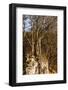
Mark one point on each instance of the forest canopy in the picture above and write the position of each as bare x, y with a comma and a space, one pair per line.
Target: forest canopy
39, 44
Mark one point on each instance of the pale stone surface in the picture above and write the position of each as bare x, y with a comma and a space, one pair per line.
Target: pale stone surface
33, 66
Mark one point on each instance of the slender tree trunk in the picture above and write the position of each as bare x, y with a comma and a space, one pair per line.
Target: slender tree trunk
40, 46
32, 43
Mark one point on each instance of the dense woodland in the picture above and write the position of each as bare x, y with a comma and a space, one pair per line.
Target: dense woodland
39, 44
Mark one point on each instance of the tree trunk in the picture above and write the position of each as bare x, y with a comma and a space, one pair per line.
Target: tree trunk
33, 43
40, 46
